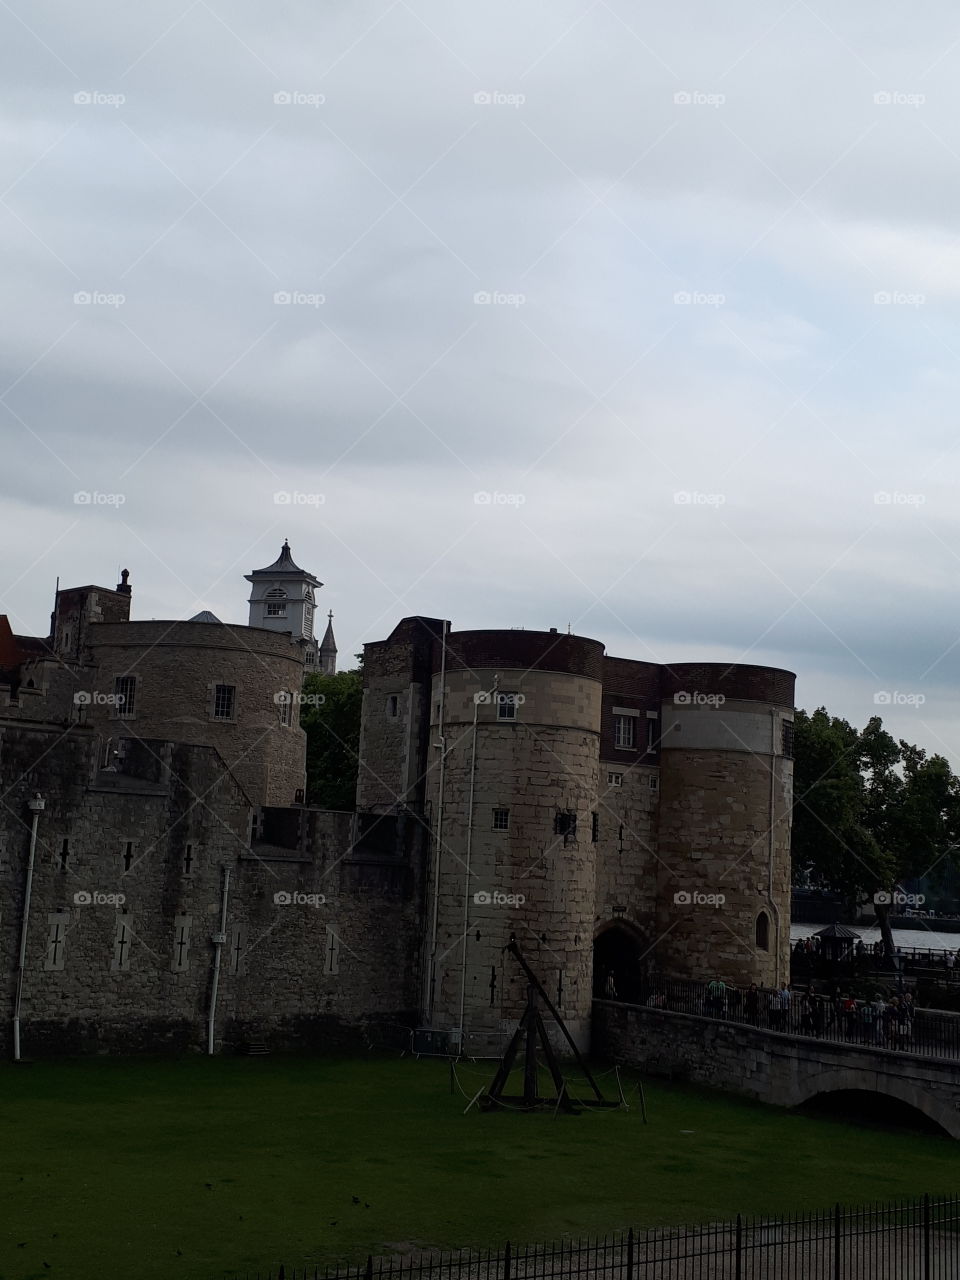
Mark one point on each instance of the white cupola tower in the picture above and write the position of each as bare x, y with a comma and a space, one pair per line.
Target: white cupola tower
282, 599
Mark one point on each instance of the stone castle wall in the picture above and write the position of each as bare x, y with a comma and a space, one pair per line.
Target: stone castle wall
529, 882
723, 840
176, 665
320, 941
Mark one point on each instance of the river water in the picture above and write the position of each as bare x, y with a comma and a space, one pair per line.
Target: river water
927, 937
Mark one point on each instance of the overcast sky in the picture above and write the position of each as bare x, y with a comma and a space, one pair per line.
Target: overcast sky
674, 287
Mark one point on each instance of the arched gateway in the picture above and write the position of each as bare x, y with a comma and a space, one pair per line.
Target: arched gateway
619, 958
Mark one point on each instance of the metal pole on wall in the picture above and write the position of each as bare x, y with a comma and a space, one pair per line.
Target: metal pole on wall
218, 940
36, 806
431, 976
477, 699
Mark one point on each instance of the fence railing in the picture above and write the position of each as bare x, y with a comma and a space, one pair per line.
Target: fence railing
908, 1240
881, 1025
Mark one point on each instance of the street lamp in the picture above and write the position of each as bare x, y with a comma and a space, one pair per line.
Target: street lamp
36, 804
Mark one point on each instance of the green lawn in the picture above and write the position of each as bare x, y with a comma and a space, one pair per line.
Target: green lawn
187, 1170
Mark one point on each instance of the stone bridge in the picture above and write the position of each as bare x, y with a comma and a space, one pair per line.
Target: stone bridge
785, 1070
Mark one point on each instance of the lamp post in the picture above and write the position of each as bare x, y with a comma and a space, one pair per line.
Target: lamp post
36, 805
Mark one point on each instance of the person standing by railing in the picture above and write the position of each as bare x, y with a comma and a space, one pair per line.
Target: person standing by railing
751, 1004
716, 998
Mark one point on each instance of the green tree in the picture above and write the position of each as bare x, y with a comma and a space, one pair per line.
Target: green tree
869, 811
330, 716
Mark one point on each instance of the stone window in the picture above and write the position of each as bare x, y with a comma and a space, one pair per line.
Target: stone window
310, 657
125, 697
763, 932
284, 704
624, 731
56, 941
654, 782
594, 826
64, 854
614, 779
122, 943
224, 701
128, 852
786, 738
189, 859
507, 705
238, 949
331, 955
653, 733
393, 705
501, 819
181, 944
565, 824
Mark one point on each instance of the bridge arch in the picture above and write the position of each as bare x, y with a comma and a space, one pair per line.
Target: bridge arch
913, 1095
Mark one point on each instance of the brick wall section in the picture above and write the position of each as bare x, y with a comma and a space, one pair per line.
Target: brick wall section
629, 684
176, 665
778, 1069
735, 681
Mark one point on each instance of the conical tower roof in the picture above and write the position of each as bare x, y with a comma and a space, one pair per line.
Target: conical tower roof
284, 567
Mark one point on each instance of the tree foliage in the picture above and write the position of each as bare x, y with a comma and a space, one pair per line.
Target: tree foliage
332, 727
869, 811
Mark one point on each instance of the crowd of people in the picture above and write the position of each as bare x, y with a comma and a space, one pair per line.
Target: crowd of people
887, 1022
811, 948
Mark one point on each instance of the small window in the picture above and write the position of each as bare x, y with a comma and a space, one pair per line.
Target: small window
188, 860
276, 609
624, 731
56, 941
654, 782
787, 738
763, 932
310, 657
224, 696
393, 705
594, 827
653, 734
507, 706
501, 819
565, 824
284, 705
127, 854
614, 779
125, 696
122, 941
181, 944
64, 854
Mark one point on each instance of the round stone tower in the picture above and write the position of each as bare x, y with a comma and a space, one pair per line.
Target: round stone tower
726, 792
518, 716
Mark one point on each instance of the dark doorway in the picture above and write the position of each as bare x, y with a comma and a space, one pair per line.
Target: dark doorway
618, 972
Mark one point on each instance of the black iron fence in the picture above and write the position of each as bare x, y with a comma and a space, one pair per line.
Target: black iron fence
882, 1024
908, 1240
913, 963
